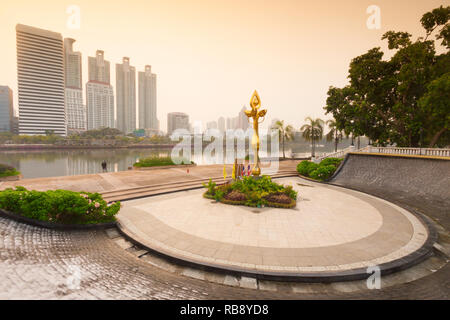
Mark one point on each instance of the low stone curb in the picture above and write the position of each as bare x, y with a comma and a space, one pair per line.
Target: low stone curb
55, 226
11, 178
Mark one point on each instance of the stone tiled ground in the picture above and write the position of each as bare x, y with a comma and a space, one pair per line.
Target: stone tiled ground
127, 179
38, 263
332, 229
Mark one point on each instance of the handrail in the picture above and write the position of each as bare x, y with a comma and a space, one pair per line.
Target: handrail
436, 152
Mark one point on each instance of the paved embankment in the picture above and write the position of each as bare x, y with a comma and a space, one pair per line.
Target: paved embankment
135, 183
421, 183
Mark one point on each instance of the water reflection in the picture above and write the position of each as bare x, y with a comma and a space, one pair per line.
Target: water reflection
52, 163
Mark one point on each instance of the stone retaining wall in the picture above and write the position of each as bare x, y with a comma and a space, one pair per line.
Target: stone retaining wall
422, 183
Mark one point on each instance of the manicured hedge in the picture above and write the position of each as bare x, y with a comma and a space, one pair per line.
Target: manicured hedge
60, 206
7, 171
321, 171
157, 161
252, 192
305, 167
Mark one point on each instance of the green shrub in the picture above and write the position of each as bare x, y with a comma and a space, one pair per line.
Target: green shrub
211, 186
7, 171
306, 167
331, 161
60, 206
323, 172
157, 161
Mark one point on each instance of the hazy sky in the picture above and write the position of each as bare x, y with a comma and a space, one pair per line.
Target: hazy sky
211, 55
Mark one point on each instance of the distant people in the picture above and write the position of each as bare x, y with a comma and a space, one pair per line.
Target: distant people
104, 166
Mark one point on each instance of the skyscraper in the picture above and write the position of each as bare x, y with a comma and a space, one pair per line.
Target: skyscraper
147, 100
243, 122
6, 109
211, 125
221, 124
177, 120
126, 96
75, 109
99, 93
40, 70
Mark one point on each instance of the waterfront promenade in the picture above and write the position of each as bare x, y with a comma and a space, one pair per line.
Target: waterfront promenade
103, 182
36, 262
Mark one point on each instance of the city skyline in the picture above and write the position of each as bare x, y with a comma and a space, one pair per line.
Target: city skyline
217, 49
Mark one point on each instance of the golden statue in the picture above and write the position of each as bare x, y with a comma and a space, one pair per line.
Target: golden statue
255, 114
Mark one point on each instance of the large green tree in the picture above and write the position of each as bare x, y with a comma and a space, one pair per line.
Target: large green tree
403, 100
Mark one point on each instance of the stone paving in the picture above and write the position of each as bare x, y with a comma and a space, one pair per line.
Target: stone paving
37, 263
128, 179
332, 229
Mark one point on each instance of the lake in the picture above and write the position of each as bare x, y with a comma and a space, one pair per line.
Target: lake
52, 163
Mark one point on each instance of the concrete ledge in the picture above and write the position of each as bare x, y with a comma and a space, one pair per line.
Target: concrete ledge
55, 226
11, 178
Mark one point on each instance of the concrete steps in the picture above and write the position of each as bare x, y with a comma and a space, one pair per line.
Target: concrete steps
151, 190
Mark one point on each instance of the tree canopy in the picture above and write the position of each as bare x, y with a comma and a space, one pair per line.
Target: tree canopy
405, 100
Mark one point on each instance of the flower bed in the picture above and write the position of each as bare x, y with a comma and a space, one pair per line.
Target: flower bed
59, 206
321, 171
253, 193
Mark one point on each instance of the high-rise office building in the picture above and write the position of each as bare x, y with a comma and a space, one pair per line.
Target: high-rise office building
211, 125
147, 100
221, 124
126, 96
177, 120
99, 93
40, 71
75, 109
243, 122
6, 109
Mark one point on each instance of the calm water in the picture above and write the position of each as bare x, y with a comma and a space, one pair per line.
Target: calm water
52, 163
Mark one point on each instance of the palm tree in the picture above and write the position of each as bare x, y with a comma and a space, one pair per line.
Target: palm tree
285, 132
334, 133
313, 131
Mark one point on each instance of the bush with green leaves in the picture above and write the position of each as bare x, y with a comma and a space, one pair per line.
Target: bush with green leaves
323, 172
8, 171
255, 192
157, 161
61, 206
331, 161
305, 167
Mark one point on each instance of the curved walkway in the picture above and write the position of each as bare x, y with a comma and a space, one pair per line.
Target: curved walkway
333, 233
38, 263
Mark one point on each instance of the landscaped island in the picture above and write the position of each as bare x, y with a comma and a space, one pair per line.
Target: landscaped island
8, 171
159, 162
319, 171
58, 206
253, 193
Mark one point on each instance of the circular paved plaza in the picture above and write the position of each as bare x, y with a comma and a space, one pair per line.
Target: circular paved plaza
332, 232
